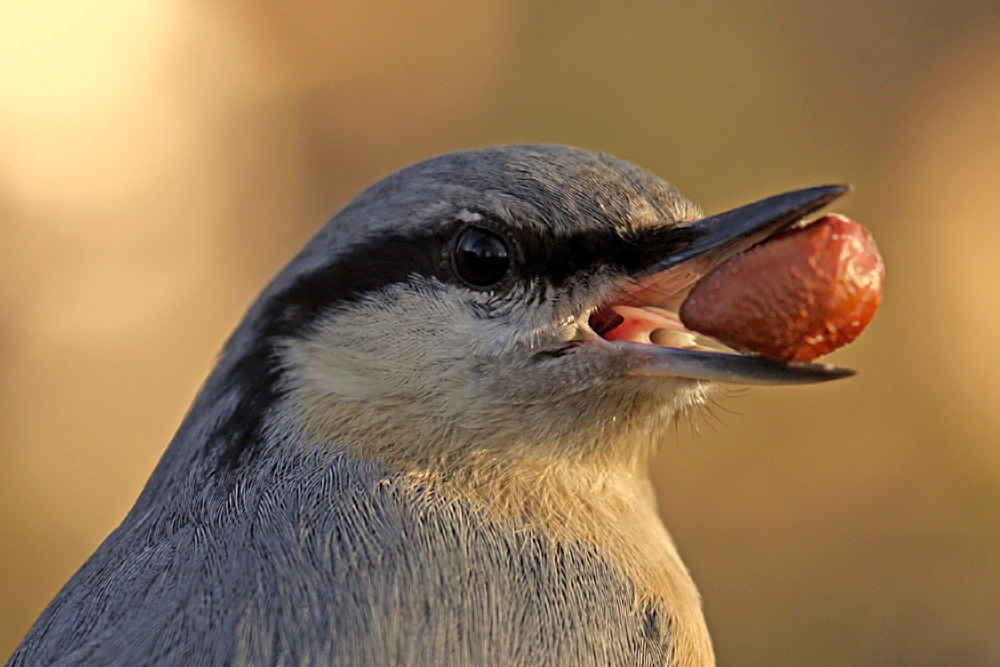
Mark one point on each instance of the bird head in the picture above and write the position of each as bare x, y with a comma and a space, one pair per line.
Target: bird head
461, 306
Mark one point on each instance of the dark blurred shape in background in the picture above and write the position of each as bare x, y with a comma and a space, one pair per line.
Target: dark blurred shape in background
161, 159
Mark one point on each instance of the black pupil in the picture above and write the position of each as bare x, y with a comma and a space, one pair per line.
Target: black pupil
481, 257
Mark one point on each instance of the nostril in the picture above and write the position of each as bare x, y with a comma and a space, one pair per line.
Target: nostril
603, 320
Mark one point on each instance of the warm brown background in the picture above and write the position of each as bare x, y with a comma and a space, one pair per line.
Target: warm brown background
161, 159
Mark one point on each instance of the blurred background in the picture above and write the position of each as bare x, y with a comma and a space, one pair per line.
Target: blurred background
160, 160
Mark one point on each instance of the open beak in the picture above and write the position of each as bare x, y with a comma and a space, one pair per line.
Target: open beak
646, 309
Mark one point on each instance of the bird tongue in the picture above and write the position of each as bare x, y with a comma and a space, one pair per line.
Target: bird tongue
650, 325
646, 311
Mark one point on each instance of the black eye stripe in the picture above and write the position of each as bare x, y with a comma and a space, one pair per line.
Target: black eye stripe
563, 260
393, 258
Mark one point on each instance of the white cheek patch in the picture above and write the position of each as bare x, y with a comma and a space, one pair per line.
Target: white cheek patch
416, 339
433, 348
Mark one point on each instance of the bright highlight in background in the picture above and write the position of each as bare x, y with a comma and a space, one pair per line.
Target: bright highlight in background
76, 79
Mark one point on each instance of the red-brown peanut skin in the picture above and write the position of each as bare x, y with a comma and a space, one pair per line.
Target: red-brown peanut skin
795, 297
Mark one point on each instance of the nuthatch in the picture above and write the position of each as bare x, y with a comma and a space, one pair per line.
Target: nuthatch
417, 448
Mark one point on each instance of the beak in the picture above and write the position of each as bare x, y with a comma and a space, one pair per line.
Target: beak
719, 237
728, 367
714, 240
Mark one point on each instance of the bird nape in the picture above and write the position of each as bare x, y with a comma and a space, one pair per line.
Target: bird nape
424, 444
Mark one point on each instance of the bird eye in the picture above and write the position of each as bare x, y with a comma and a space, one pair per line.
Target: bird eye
481, 257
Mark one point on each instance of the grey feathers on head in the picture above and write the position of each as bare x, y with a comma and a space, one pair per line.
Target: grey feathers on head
418, 448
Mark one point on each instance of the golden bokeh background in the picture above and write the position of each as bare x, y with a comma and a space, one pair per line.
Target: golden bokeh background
161, 159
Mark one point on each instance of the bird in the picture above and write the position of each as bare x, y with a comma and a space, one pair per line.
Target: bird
418, 447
